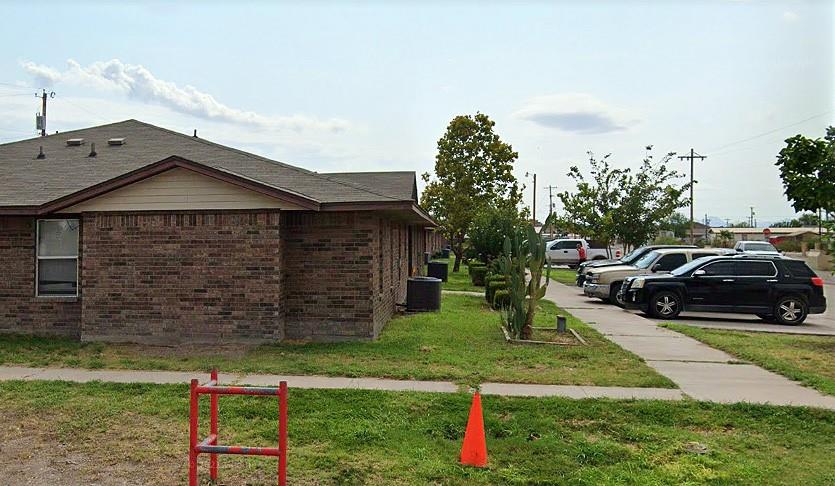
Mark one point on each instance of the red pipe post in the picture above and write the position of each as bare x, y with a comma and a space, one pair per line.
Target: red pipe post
282, 433
192, 435
213, 427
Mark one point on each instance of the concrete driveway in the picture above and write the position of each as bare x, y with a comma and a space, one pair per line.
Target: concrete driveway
816, 324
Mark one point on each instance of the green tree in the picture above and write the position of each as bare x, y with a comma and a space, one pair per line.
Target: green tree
489, 229
473, 169
805, 220
807, 168
650, 196
619, 204
589, 210
678, 223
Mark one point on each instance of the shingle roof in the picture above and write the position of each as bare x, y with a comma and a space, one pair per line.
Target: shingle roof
26, 180
401, 185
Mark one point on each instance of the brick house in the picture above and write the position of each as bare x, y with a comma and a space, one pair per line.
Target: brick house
134, 233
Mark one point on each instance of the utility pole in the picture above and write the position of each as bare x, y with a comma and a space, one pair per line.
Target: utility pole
40, 119
693, 156
751, 220
551, 206
533, 207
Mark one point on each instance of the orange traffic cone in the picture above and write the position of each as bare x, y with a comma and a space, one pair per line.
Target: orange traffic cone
474, 450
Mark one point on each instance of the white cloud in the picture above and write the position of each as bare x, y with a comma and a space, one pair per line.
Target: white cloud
790, 16
575, 113
138, 83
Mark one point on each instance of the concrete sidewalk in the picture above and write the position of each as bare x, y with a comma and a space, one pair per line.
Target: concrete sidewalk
702, 372
332, 382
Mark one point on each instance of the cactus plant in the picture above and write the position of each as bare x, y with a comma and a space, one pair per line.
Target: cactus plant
525, 251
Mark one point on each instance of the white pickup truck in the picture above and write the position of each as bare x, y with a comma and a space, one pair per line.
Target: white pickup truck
564, 252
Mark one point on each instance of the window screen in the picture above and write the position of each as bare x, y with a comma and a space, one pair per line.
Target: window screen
57, 255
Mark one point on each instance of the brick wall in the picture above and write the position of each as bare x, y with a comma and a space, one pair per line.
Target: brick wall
20, 310
328, 274
171, 277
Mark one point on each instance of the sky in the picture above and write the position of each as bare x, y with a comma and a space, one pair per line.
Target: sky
368, 86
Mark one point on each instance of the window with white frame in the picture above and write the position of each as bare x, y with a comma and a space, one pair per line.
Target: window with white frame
57, 257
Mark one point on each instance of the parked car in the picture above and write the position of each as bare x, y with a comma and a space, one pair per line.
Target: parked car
774, 288
756, 248
564, 252
605, 283
630, 258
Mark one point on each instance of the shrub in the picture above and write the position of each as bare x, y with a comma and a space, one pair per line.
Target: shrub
788, 245
472, 265
491, 224
501, 299
491, 286
477, 275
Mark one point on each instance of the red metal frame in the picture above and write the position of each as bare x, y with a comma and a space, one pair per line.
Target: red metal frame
210, 446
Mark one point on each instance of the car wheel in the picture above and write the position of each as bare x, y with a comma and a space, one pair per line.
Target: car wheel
790, 310
766, 317
665, 304
614, 290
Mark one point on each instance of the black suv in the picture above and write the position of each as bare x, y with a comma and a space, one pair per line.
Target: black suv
628, 259
774, 288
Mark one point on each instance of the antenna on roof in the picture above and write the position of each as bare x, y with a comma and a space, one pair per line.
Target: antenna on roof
92, 150
195, 133
41, 155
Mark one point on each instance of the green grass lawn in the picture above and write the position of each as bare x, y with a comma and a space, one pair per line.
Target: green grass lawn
807, 359
462, 343
565, 276
139, 432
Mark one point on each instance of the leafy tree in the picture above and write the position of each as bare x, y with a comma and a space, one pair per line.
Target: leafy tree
489, 229
805, 220
473, 169
649, 197
589, 210
807, 168
619, 204
678, 223
725, 238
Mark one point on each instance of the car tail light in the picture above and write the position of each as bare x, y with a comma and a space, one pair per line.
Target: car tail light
817, 281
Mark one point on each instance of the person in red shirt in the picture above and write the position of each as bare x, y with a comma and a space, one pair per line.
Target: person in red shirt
581, 252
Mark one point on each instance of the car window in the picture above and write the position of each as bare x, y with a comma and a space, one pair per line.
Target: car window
647, 260
635, 255
759, 247
755, 269
702, 255
670, 262
798, 269
719, 269
687, 267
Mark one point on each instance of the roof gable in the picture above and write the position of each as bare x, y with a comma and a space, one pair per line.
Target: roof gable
180, 188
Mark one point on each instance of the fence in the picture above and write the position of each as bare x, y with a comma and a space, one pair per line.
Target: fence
210, 444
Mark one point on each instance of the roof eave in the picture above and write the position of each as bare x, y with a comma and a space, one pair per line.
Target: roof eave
420, 215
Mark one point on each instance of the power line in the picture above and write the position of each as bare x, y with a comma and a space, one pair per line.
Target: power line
15, 86
770, 131
86, 110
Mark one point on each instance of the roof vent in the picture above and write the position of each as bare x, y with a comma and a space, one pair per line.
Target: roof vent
116, 141
41, 155
92, 150
75, 142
